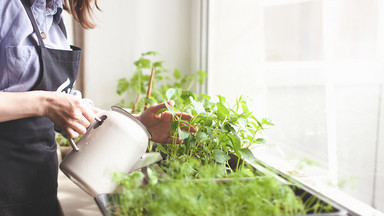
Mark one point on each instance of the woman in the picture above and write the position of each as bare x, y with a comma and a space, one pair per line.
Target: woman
38, 68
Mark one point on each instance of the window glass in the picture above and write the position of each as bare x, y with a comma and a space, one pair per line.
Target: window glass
315, 68
293, 32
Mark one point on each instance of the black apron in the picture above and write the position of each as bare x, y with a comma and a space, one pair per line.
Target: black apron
28, 157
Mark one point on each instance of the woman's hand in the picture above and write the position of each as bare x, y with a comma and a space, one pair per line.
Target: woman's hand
159, 124
68, 112
72, 115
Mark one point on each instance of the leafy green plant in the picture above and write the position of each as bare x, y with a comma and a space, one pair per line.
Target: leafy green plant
243, 194
223, 129
138, 83
193, 189
198, 177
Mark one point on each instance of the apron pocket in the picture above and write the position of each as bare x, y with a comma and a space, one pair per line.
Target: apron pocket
18, 58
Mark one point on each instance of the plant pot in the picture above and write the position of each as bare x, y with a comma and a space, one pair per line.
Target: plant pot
107, 203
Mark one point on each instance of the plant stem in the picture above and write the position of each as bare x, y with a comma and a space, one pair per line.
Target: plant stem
149, 88
134, 108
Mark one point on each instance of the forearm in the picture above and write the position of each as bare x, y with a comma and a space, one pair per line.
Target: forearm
17, 105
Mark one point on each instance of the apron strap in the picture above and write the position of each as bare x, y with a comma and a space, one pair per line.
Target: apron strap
62, 27
27, 6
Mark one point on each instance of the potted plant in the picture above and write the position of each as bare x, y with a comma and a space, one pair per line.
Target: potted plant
211, 194
214, 171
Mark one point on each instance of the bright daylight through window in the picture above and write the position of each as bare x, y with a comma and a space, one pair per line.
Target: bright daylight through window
315, 68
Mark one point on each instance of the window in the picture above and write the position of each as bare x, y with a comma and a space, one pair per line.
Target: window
315, 68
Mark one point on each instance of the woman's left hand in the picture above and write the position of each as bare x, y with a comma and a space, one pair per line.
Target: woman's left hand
159, 123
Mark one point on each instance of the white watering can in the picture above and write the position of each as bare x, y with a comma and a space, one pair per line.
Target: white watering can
115, 142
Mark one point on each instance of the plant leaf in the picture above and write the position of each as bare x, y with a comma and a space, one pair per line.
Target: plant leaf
220, 156
261, 141
174, 127
177, 74
235, 142
158, 64
185, 96
162, 149
154, 53
170, 109
198, 106
266, 122
205, 96
202, 76
152, 177
247, 155
143, 63
171, 94
201, 136
221, 98
122, 85
161, 110
183, 134
245, 107
222, 111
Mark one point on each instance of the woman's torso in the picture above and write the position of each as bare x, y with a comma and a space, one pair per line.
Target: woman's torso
19, 61
28, 159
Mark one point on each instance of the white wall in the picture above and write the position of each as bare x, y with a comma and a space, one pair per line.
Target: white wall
128, 28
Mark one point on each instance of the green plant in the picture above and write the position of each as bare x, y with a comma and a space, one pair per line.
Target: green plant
138, 83
243, 193
223, 129
200, 178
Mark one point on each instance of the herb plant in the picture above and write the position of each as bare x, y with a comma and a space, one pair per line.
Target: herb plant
137, 85
223, 129
179, 195
199, 177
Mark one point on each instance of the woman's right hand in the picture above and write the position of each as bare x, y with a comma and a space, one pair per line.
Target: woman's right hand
72, 115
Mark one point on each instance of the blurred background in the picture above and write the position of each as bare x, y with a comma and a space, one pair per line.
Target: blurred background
313, 67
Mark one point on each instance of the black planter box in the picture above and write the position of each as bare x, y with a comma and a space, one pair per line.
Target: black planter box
106, 202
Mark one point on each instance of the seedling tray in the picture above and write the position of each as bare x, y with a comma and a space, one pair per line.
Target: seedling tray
108, 202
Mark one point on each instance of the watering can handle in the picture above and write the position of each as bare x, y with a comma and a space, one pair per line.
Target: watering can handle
72, 141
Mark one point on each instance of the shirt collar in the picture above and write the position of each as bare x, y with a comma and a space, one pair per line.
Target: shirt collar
54, 7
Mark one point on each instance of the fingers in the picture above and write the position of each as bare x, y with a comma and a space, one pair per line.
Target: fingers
88, 113
80, 120
170, 140
158, 107
81, 125
184, 116
187, 127
77, 126
159, 124
70, 133
69, 113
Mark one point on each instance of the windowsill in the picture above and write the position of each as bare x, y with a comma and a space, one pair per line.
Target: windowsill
74, 201
315, 178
